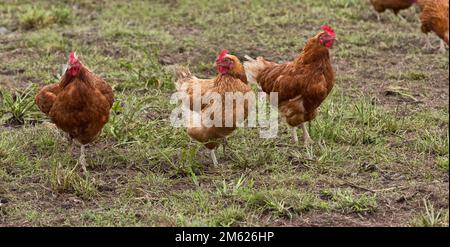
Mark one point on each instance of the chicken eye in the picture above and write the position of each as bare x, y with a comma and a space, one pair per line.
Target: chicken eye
322, 41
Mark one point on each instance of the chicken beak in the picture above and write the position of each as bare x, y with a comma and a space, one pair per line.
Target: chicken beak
218, 63
65, 67
335, 41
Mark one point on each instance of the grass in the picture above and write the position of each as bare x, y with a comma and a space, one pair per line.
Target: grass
431, 217
15, 107
380, 137
347, 200
38, 17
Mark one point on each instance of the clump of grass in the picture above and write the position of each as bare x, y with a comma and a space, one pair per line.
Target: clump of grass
16, 107
189, 164
61, 15
38, 17
415, 75
348, 201
36, 217
124, 119
432, 142
442, 162
411, 75
431, 217
283, 202
354, 122
112, 217
233, 187
229, 216
67, 179
34, 18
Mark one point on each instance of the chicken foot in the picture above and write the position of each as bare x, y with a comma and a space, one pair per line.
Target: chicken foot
427, 45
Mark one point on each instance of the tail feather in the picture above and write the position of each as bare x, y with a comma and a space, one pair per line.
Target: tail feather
253, 67
45, 98
182, 75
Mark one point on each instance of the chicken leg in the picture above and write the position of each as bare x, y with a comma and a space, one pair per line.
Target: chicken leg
82, 159
213, 157
225, 144
306, 138
442, 47
294, 135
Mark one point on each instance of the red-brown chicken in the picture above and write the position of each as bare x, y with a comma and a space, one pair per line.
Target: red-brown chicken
395, 5
302, 85
79, 104
231, 78
434, 17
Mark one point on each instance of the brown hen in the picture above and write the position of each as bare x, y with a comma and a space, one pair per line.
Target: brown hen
231, 78
395, 5
302, 85
79, 104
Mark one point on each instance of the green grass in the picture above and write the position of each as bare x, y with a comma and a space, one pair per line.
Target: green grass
16, 107
431, 217
38, 17
381, 135
347, 200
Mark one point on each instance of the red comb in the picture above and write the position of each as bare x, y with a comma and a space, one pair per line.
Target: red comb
328, 30
73, 58
223, 53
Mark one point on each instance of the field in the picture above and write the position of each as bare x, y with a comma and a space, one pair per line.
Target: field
381, 150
